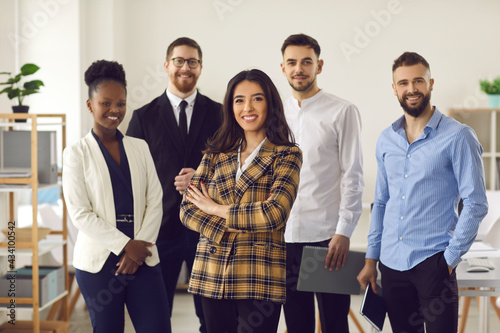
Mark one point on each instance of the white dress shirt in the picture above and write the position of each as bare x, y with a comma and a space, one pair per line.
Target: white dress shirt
248, 161
175, 101
328, 130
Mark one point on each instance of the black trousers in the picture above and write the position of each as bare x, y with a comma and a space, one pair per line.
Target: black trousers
173, 252
143, 293
241, 316
299, 305
426, 294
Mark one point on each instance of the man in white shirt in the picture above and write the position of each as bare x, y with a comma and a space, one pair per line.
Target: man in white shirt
328, 205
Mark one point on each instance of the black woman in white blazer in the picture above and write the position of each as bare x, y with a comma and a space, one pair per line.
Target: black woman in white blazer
114, 198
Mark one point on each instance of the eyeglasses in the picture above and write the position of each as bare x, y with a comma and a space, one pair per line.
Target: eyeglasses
192, 62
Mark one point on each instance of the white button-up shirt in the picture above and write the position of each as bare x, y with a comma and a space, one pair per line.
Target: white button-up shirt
328, 130
175, 101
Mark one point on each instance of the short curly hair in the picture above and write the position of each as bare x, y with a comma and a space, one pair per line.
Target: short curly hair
104, 70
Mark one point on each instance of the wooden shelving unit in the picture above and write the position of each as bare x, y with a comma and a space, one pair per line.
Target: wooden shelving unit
485, 122
35, 248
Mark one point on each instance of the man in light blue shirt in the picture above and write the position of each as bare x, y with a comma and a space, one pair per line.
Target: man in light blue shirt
426, 162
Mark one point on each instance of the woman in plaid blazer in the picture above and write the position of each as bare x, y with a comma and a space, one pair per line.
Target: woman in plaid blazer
239, 200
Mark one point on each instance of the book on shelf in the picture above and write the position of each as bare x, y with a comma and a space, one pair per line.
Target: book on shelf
15, 172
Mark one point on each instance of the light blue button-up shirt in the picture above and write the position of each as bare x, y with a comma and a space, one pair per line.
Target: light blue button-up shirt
418, 188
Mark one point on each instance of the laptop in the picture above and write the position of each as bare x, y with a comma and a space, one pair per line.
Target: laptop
313, 276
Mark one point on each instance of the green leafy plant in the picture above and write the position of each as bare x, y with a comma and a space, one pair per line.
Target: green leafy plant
14, 88
491, 87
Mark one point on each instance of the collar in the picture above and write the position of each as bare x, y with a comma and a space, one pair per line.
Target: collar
311, 99
176, 100
119, 135
432, 124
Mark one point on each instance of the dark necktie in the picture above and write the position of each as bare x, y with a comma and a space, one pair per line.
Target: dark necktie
183, 121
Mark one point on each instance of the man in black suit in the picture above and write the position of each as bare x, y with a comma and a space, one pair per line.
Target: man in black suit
176, 126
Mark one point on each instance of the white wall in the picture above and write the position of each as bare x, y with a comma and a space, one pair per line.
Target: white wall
458, 37
359, 41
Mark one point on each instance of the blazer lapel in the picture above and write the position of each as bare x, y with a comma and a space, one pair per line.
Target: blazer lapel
225, 174
255, 170
167, 116
104, 182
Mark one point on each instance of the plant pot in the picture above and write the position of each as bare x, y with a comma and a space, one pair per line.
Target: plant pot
494, 101
20, 109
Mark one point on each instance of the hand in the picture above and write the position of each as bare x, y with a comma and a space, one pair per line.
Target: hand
126, 265
450, 270
202, 200
182, 180
338, 250
235, 230
137, 250
369, 275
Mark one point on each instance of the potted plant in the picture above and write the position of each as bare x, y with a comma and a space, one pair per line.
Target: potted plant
492, 88
15, 90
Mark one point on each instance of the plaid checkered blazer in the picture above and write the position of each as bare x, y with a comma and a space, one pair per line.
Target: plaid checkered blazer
248, 265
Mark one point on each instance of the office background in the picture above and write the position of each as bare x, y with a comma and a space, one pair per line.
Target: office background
359, 41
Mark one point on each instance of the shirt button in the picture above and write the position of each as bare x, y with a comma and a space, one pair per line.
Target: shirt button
408, 155
213, 249
400, 238
402, 217
406, 176
403, 197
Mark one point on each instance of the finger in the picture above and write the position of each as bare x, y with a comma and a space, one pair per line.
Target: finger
374, 287
204, 189
194, 196
362, 282
131, 268
340, 261
344, 258
333, 259
119, 261
120, 269
328, 258
194, 190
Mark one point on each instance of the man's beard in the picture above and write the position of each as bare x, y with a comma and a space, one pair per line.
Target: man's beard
302, 88
415, 111
183, 86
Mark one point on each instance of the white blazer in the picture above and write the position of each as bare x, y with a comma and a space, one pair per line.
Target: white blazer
89, 197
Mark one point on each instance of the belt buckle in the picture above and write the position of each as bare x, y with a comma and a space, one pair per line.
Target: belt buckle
128, 218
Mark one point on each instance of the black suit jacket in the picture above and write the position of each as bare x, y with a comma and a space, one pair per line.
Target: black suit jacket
155, 122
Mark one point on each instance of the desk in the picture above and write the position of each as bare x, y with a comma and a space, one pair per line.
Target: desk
488, 284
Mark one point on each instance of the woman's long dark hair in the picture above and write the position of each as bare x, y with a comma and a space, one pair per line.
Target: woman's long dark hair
228, 136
